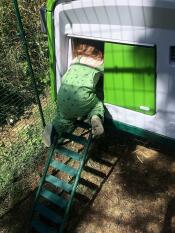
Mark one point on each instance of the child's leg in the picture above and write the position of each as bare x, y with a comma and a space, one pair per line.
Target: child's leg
58, 126
62, 125
96, 117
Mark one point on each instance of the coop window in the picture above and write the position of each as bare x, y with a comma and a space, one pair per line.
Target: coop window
172, 54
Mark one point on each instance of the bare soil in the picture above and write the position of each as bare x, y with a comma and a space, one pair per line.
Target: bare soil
127, 186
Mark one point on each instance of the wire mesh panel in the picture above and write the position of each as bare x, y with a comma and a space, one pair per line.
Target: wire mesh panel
20, 122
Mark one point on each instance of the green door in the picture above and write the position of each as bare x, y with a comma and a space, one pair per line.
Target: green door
130, 77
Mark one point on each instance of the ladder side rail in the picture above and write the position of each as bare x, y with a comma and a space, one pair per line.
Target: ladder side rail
61, 230
51, 153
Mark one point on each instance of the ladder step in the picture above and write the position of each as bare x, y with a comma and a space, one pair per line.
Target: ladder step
40, 227
62, 167
75, 138
59, 183
52, 197
48, 213
68, 153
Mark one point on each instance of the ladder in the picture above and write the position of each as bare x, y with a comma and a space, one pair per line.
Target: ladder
54, 196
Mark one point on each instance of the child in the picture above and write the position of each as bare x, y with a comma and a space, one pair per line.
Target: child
77, 96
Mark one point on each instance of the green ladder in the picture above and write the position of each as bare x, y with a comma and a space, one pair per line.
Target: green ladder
45, 216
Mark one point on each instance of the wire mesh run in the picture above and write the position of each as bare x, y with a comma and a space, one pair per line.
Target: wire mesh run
21, 148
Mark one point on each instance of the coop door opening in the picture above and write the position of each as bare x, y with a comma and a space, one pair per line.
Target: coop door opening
75, 47
130, 77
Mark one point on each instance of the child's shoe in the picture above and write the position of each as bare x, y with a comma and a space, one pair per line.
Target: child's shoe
97, 126
48, 135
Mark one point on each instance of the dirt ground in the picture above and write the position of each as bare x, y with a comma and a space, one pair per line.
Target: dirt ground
127, 186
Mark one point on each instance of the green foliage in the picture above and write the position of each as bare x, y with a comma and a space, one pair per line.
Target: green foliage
20, 123
24, 150
19, 155
15, 81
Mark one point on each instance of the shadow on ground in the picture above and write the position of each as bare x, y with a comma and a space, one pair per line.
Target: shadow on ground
126, 187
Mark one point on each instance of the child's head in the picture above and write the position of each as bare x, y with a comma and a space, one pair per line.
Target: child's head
88, 48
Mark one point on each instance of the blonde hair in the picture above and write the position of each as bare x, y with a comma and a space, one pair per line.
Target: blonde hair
88, 48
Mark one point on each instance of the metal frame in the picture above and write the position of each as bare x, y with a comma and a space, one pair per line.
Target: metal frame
26, 51
51, 44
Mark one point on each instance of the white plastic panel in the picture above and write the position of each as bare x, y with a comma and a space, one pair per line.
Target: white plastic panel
132, 22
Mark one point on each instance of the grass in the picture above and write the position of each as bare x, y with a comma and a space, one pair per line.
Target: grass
21, 154
20, 123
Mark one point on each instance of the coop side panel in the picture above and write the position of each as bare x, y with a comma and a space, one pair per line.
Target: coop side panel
126, 22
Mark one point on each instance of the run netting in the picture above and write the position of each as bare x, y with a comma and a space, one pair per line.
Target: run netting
21, 148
